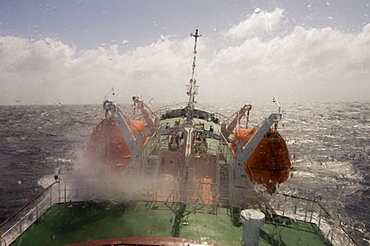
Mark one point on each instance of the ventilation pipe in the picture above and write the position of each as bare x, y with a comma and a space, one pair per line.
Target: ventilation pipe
252, 221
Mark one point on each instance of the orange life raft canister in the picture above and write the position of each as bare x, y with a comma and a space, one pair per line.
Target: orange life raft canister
269, 164
107, 144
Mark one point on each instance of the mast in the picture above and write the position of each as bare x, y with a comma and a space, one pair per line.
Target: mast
192, 88
192, 91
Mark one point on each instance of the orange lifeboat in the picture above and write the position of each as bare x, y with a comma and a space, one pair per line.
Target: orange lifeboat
269, 164
107, 144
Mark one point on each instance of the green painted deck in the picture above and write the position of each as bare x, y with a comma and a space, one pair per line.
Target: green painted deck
78, 222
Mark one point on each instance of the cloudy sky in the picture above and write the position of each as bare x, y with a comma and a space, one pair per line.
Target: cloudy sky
75, 51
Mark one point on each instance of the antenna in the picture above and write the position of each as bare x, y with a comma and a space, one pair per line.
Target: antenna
196, 36
274, 100
110, 91
192, 89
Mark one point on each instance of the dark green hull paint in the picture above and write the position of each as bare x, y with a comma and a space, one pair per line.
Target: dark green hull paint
78, 222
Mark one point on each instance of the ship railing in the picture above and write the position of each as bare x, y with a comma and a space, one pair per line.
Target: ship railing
62, 192
312, 211
307, 210
21, 220
57, 192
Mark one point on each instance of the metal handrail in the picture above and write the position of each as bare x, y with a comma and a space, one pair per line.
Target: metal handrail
27, 204
327, 213
25, 215
346, 233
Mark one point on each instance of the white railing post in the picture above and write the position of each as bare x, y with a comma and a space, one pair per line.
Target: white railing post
59, 192
20, 226
65, 192
312, 209
305, 212
37, 211
50, 194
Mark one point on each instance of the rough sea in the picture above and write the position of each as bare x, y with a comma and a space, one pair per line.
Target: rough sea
329, 144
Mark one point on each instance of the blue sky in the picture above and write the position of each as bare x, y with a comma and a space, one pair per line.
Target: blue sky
91, 23
56, 45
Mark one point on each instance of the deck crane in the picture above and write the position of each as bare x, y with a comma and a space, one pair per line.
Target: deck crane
134, 143
148, 120
230, 128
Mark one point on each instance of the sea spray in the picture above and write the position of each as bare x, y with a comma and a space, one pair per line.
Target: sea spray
91, 179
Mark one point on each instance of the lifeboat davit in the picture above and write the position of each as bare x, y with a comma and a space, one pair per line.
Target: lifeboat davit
107, 144
269, 164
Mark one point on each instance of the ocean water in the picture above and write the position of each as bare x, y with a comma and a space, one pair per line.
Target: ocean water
329, 144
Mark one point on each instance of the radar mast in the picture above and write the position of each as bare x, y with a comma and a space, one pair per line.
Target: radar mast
192, 89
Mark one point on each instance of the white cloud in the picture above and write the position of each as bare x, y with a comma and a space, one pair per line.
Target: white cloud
259, 23
47, 71
306, 64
